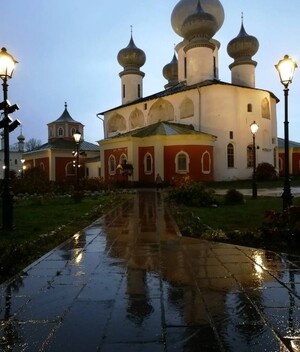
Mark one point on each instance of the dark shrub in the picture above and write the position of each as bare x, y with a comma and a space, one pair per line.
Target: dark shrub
282, 228
265, 172
193, 194
190, 224
234, 197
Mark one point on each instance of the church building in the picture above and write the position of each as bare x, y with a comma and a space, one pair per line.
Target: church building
57, 157
198, 125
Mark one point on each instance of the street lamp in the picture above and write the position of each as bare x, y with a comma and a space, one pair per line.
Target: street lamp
286, 68
77, 138
254, 128
7, 65
23, 167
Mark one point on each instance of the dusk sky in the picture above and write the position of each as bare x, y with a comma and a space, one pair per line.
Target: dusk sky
67, 52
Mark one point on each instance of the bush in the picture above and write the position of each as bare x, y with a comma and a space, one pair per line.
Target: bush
193, 194
265, 172
282, 227
234, 197
190, 224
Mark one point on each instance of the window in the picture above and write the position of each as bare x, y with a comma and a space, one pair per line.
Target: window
139, 91
185, 68
230, 155
182, 163
215, 67
230, 134
275, 157
148, 164
60, 132
112, 165
123, 159
70, 169
249, 107
87, 172
265, 109
206, 163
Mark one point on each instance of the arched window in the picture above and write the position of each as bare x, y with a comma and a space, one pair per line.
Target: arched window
186, 108
206, 163
230, 155
182, 163
70, 169
42, 166
112, 165
123, 159
73, 131
275, 157
148, 164
250, 155
265, 109
60, 132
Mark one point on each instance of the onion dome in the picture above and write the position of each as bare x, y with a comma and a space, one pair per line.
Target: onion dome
170, 72
243, 47
185, 8
21, 138
131, 57
199, 25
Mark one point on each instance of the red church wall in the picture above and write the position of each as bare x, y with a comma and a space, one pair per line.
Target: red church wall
200, 166
117, 153
296, 163
43, 162
143, 177
295, 167
60, 169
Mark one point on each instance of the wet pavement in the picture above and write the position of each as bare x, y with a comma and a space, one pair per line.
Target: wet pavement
130, 282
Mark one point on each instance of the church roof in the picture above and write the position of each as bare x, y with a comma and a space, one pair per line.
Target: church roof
291, 143
162, 129
65, 116
62, 144
181, 87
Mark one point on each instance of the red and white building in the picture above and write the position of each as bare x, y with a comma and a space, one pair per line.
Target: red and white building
56, 157
198, 125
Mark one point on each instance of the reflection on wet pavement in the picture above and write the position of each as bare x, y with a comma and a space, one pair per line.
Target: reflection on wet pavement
130, 282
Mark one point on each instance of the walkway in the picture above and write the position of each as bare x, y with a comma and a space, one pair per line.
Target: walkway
130, 283
266, 192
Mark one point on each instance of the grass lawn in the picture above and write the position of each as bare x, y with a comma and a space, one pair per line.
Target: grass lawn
43, 223
244, 184
237, 224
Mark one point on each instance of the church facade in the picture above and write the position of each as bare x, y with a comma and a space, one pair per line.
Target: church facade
198, 126
57, 157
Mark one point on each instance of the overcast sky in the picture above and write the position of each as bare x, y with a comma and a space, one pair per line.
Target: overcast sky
67, 51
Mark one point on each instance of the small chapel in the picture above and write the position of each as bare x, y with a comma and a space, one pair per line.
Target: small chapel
198, 125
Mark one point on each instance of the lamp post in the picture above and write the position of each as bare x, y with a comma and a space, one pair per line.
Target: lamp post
286, 69
23, 167
7, 65
77, 138
254, 128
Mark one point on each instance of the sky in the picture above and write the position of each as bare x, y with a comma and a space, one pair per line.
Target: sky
67, 52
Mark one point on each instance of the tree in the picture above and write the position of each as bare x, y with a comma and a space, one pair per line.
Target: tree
32, 144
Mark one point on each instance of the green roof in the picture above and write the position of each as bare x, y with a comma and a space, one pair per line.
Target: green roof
62, 144
65, 116
291, 143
